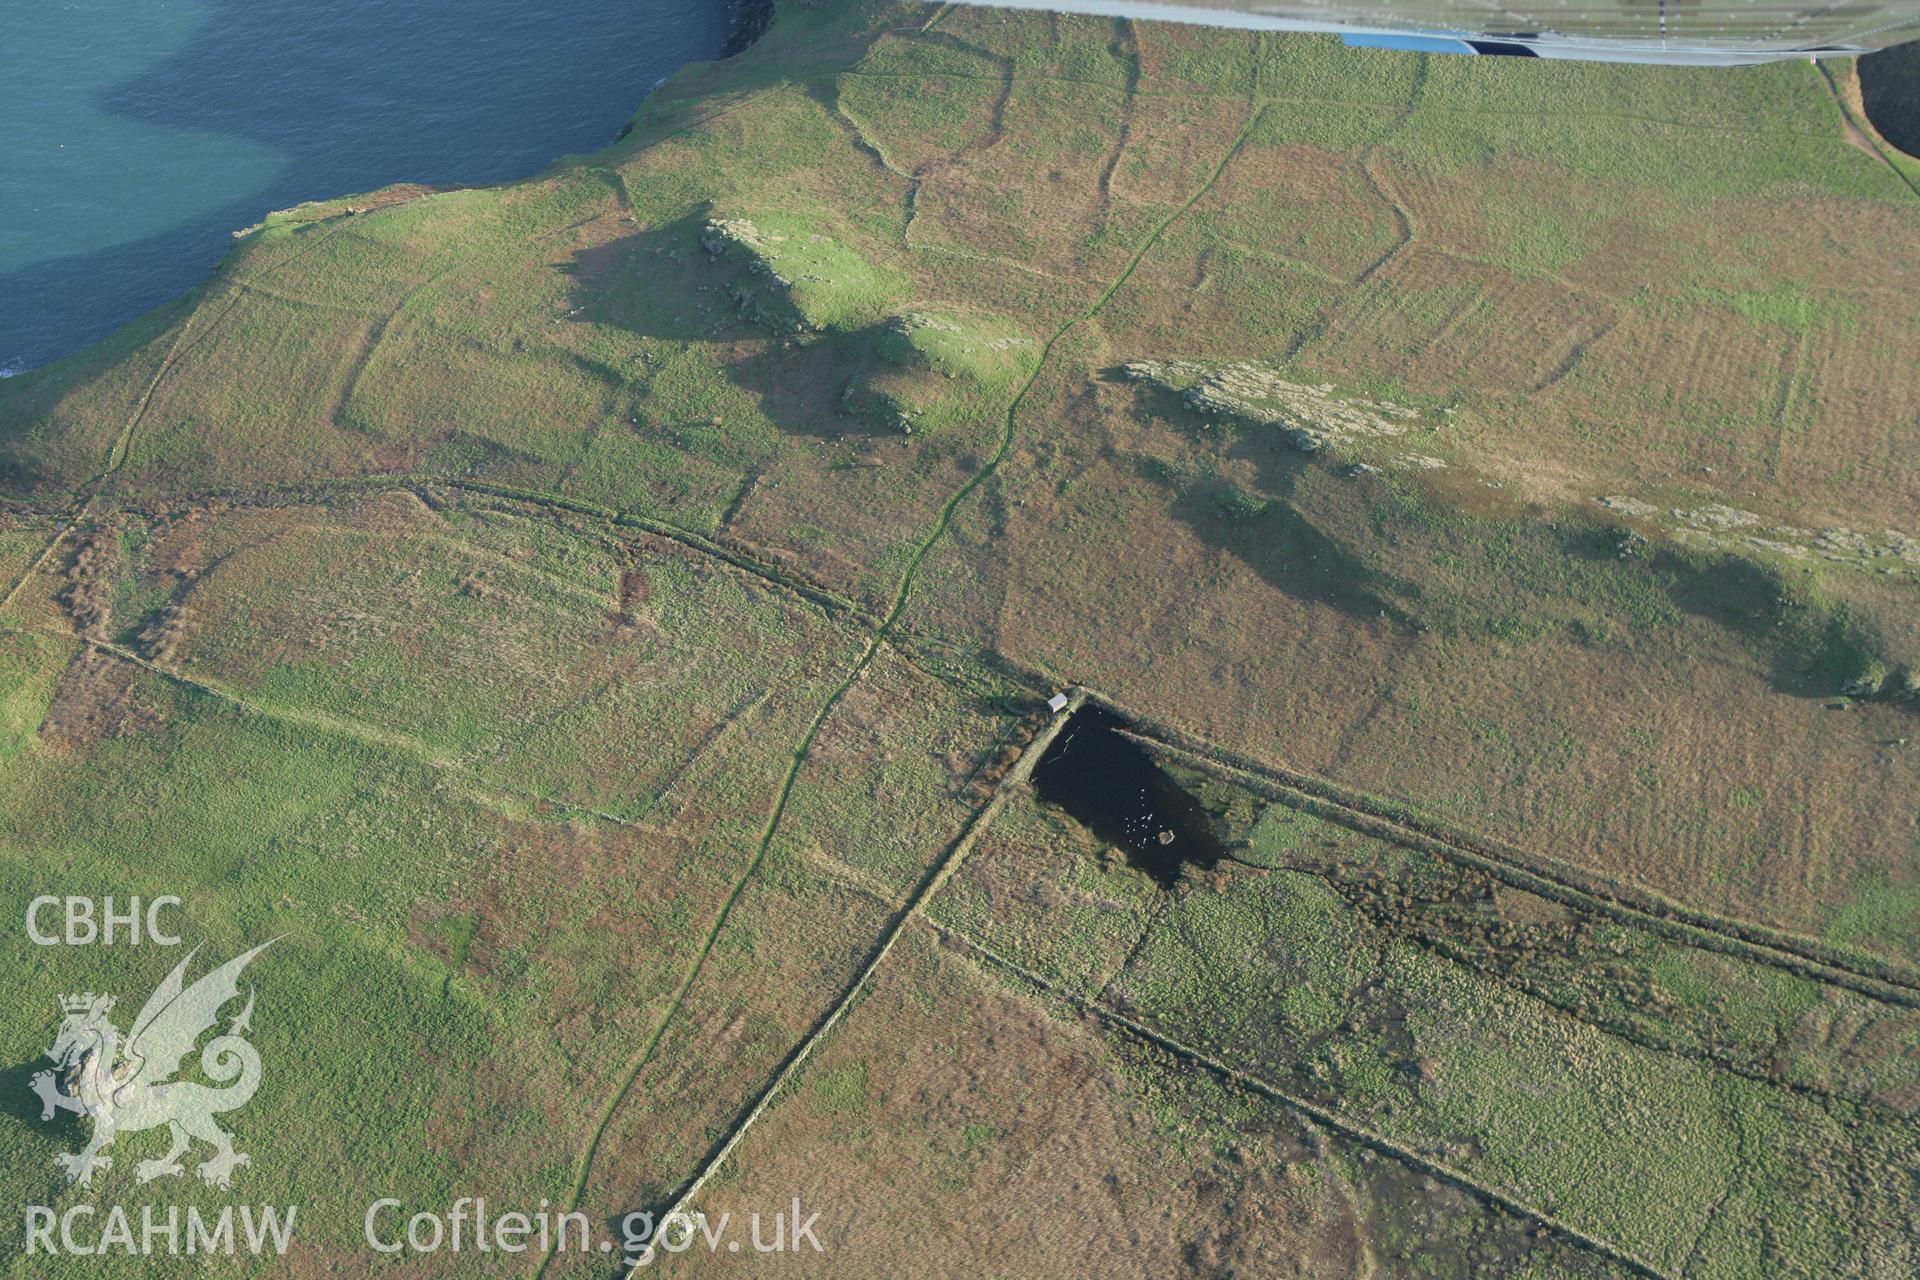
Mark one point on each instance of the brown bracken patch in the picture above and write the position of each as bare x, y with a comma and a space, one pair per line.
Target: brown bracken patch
98, 697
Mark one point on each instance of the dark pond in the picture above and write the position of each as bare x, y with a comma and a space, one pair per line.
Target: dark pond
1111, 786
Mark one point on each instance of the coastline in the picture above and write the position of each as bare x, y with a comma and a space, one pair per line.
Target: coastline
748, 21
751, 18
500, 99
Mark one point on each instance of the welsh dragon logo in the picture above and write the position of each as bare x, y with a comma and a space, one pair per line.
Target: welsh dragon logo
126, 1084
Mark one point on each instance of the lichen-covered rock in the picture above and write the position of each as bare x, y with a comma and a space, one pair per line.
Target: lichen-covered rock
1314, 418
933, 369
1630, 506
1716, 516
986, 348
1630, 544
793, 279
1725, 528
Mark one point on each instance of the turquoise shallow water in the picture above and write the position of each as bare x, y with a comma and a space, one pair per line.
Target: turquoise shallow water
138, 133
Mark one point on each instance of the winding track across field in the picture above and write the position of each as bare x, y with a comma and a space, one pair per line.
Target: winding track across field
876, 638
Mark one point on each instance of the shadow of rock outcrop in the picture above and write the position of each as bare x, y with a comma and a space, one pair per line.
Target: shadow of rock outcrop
661, 285
1268, 530
666, 284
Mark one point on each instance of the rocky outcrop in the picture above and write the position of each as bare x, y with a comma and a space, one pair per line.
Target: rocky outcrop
1313, 417
948, 344
792, 278
1729, 528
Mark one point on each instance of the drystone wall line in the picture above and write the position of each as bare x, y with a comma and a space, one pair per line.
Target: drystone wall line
1535, 873
335, 726
1313, 1112
821, 596
877, 638
1621, 1029
930, 884
684, 988
424, 487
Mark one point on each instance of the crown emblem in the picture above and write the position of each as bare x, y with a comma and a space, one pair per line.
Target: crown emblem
121, 1090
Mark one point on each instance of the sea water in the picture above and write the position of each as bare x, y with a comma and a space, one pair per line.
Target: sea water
136, 135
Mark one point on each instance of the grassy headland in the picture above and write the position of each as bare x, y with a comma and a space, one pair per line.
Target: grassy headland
582, 613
